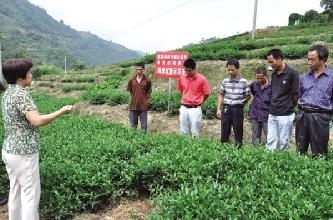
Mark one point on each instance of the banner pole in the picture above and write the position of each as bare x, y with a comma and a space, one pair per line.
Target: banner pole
169, 98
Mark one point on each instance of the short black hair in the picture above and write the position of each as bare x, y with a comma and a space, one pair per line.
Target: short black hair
13, 69
261, 70
276, 53
321, 50
142, 64
190, 63
233, 62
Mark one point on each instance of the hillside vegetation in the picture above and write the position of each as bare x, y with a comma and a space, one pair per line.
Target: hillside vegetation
28, 31
293, 40
110, 84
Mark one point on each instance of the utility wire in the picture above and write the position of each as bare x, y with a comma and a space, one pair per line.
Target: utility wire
152, 18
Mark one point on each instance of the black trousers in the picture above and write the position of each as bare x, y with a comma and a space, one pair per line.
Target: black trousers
313, 129
232, 116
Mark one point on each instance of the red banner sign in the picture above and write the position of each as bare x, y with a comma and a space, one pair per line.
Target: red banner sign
170, 64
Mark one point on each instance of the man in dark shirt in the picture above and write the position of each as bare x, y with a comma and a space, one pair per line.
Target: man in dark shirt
261, 90
315, 103
285, 82
140, 89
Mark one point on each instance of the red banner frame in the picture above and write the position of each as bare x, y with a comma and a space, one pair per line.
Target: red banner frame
170, 64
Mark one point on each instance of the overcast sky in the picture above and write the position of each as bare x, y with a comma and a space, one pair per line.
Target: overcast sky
162, 25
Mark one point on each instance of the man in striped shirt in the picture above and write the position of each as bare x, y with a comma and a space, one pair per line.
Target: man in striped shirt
234, 94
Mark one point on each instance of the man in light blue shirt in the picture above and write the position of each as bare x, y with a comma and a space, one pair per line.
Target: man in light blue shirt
315, 103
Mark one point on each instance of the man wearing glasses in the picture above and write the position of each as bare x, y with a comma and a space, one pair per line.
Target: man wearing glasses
140, 89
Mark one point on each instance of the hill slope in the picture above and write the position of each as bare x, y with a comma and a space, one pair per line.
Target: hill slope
27, 30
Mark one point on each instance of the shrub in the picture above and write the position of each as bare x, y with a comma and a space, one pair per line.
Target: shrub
38, 71
69, 88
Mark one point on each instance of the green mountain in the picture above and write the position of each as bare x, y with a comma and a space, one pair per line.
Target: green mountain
28, 31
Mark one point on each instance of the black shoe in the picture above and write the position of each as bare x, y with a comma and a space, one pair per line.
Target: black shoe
3, 201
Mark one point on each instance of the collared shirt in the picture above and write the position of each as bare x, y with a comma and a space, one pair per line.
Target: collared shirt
317, 92
259, 107
193, 89
139, 92
20, 136
234, 90
284, 87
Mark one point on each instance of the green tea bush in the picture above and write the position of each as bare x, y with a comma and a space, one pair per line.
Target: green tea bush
158, 101
86, 79
38, 71
101, 95
118, 98
98, 163
114, 81
69, 88
209, 107
221, 182
96, 95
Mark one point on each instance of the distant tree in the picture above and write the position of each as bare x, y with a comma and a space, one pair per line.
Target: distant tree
311, 16
293, 18
79, 66
328, 6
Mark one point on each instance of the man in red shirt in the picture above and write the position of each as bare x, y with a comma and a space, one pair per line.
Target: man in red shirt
140, 89
194, 89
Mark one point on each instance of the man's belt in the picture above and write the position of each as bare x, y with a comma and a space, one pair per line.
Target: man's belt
234, 105
309, 109
190, 106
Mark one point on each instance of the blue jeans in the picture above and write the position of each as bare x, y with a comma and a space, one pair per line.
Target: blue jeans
279, 131
134, 116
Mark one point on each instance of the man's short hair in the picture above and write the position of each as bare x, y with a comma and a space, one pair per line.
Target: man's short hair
276, 53
261, 70
190, 63
141, 64
321, 50
233, 62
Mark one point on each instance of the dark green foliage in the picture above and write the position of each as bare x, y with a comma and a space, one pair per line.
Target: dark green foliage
109, 95
69, 88
293, 18
159, 101
114, 80
328, 6
118, 98
85, 79
209, 107
79, 66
